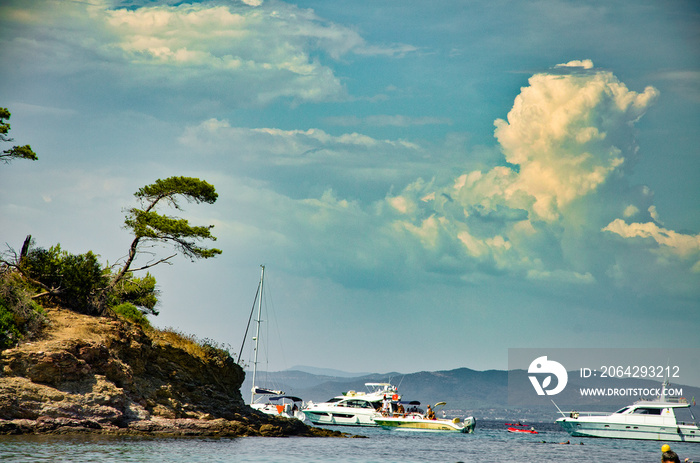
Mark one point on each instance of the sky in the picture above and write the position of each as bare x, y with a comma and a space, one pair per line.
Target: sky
427, 184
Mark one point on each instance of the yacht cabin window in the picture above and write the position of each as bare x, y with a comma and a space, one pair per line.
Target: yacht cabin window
622, 410
356, 404
647, 411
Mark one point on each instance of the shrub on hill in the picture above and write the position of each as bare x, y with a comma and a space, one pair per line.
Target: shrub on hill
19, 315
128, 311
57, 278
69, 280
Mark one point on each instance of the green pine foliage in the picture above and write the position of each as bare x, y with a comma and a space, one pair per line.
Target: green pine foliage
129, 312
149, 225
140, 292
16, 152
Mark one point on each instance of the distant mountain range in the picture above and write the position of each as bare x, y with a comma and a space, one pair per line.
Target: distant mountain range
328, 372
484, 394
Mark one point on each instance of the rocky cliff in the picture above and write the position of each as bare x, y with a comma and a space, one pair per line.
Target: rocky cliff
96, 374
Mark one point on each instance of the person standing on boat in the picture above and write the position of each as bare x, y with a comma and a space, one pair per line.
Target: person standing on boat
386, 406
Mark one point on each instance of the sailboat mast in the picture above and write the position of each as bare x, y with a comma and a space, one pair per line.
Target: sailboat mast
257, 334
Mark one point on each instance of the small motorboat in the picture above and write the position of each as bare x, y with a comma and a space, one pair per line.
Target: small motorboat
414, 421
526, 431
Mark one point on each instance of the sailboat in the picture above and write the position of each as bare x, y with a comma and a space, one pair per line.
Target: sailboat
268, 401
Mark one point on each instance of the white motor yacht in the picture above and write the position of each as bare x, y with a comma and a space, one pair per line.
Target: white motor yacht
352, 408
645, 419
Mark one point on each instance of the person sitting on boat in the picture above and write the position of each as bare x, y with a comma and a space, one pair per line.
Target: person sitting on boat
430, 414
400, 410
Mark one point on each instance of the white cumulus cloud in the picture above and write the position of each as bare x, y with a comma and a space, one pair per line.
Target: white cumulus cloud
564, 133
569, 132
683, 245
243, 53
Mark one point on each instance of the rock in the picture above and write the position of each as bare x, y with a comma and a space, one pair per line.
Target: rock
95, 374
270, 430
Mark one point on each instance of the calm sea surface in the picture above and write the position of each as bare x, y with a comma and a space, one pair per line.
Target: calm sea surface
490, 443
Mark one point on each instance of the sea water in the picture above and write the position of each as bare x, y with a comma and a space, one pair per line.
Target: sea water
489, 443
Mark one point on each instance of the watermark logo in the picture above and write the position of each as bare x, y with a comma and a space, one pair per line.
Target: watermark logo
543, 366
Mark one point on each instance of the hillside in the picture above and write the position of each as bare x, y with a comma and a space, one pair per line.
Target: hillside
96, 374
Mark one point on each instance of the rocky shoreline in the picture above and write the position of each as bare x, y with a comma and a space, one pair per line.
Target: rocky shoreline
88, 374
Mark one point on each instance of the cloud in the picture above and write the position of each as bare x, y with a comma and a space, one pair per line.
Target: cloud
243, 53
682, 245
305, 163
561, 276
234, 45
277, 146
569, 133
383, 120
583, 64
655, 215
539, 216
684, 83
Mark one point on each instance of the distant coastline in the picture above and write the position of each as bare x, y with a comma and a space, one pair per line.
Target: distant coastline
483, 394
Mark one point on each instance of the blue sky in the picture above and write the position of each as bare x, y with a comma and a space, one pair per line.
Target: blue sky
428, 184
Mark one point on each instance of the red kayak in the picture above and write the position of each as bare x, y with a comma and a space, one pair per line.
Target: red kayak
527, 431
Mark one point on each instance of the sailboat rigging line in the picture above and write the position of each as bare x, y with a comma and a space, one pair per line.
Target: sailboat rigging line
248, 326
562, 413
272, 314
257, 333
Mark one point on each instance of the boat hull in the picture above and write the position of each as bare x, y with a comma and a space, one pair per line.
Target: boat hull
338, 418
610, 430
523, 431
419, 423
275, 410
351, 408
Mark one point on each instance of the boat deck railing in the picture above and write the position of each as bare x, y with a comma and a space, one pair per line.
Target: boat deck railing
576, 414
676, 400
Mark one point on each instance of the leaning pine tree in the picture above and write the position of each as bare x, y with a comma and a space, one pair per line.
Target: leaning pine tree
149, 226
